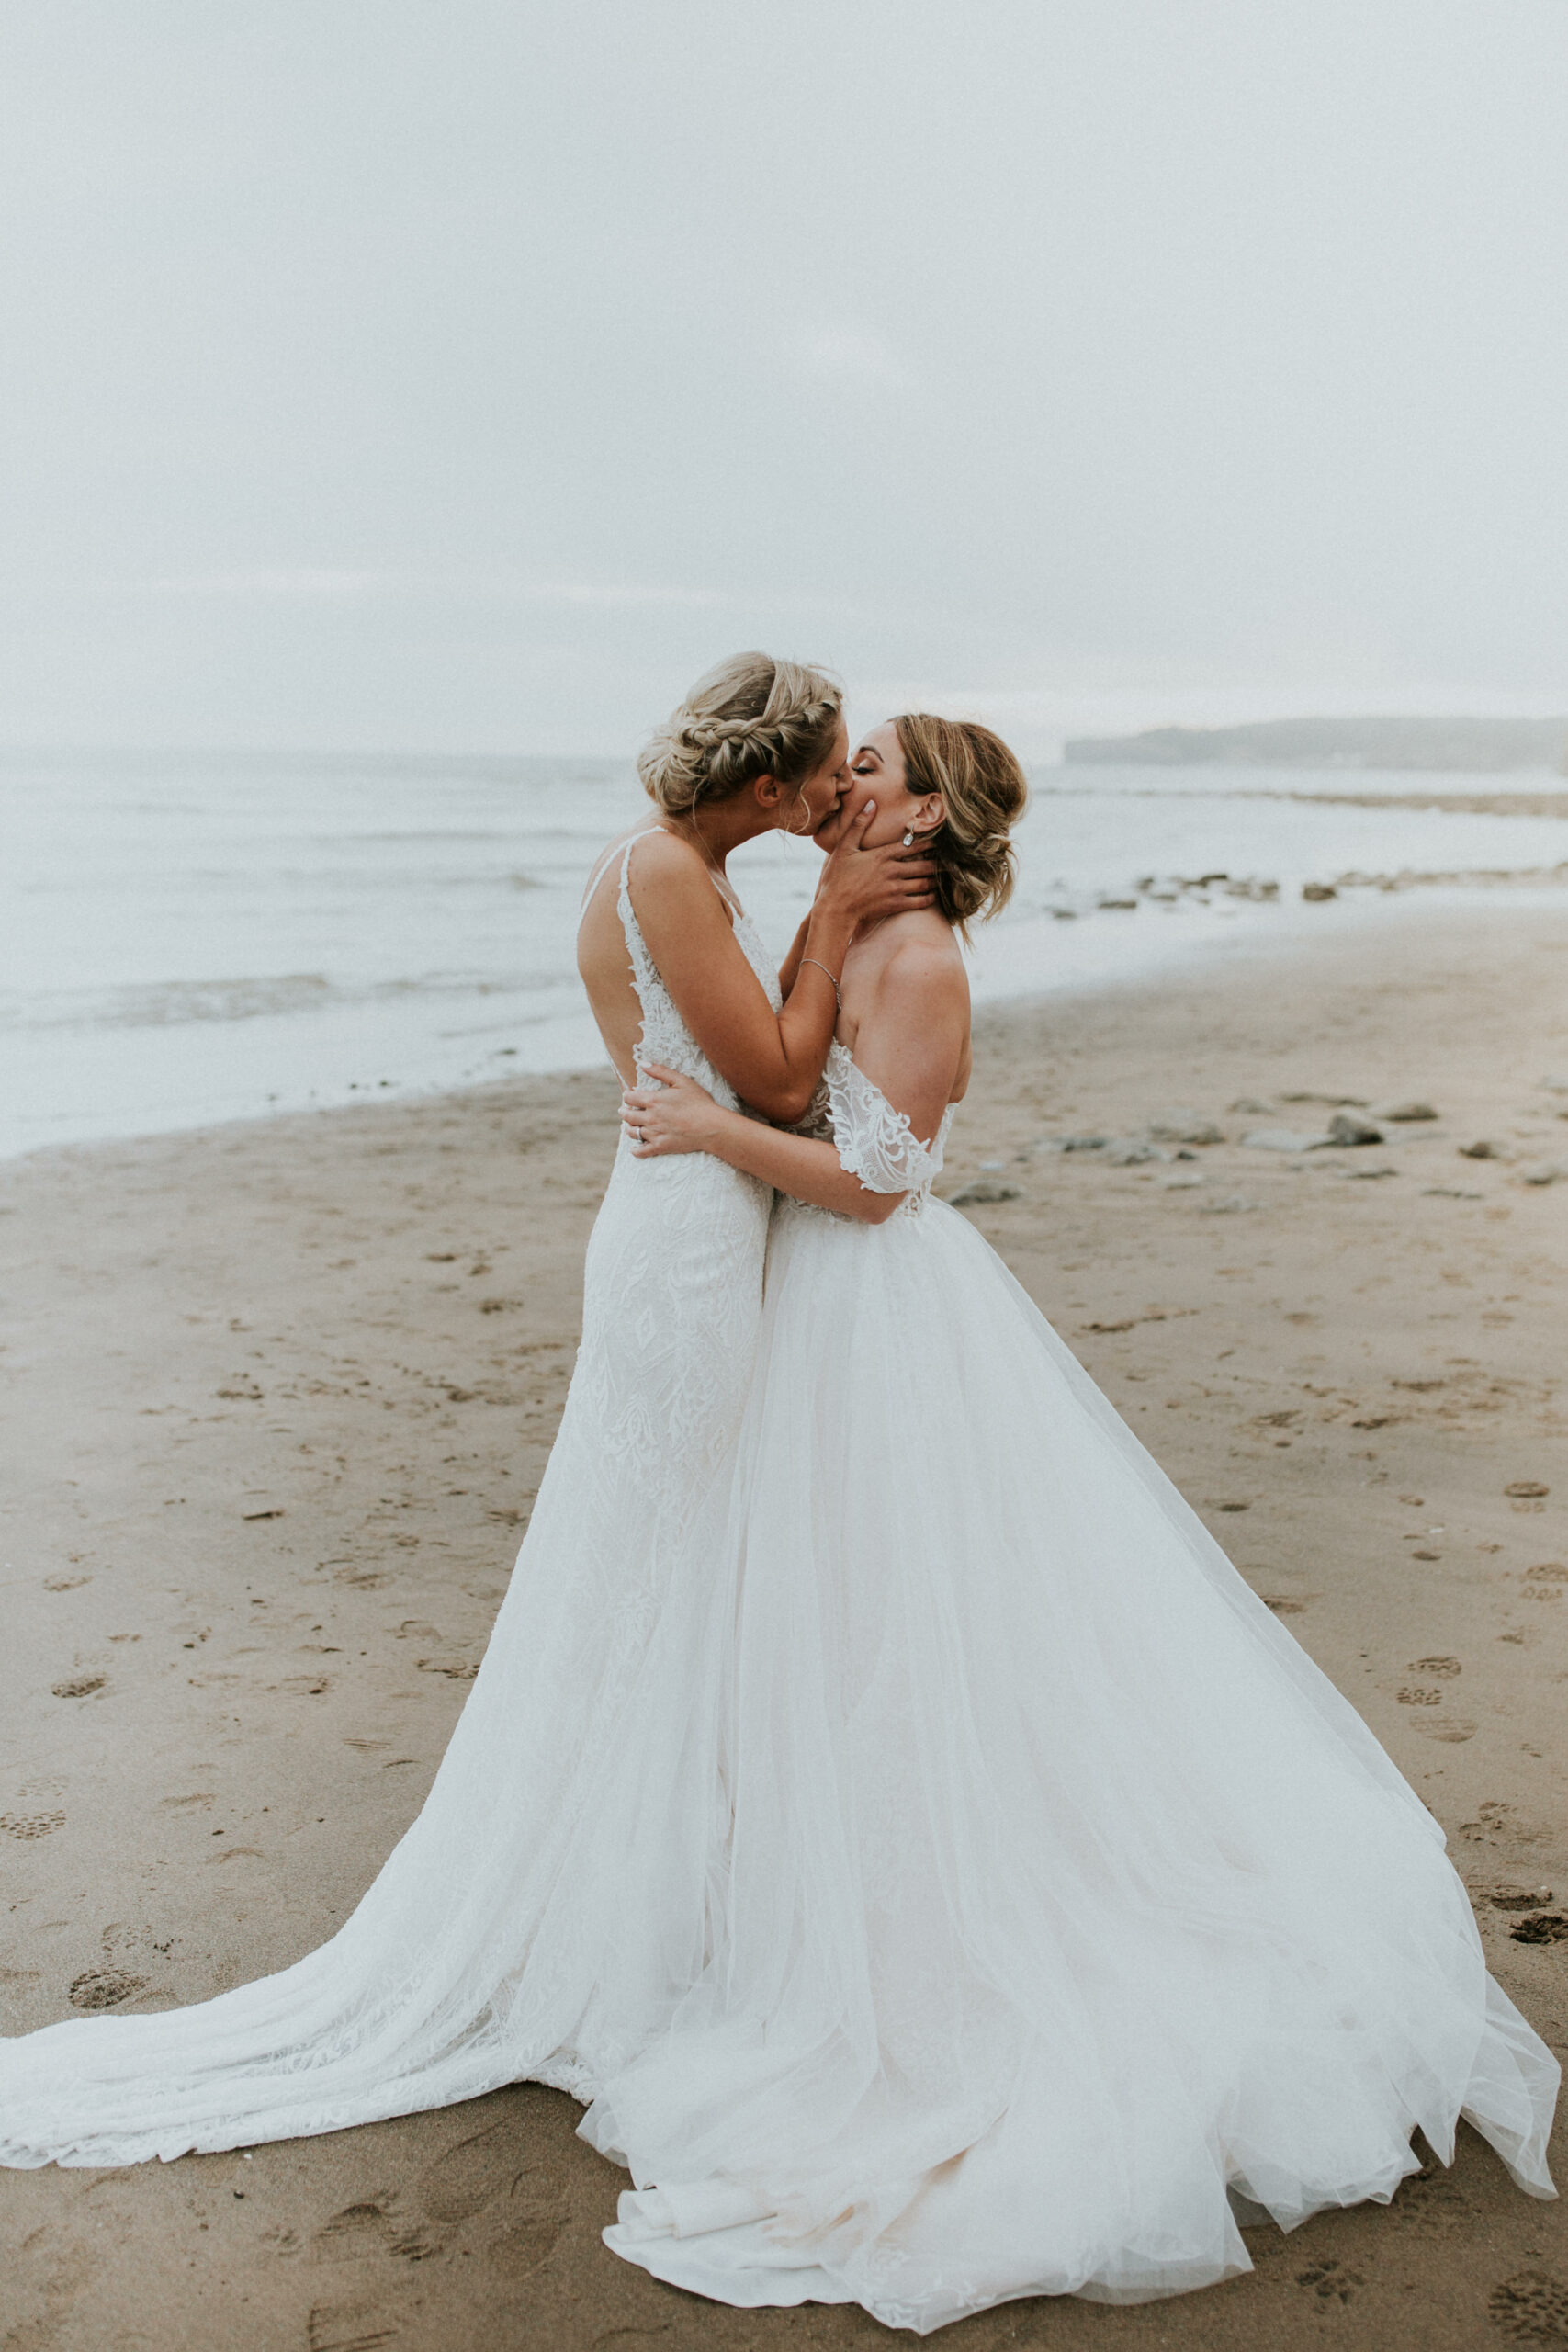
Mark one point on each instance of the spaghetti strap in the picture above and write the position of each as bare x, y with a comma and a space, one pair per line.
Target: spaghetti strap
602, 867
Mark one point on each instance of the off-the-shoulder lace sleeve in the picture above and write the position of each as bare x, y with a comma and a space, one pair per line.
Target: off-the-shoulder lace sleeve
875, 1142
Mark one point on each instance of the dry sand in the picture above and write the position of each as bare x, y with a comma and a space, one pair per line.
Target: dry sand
278, 1396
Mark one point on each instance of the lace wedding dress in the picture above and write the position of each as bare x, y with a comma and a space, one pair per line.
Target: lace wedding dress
554, 1899
1069, 1910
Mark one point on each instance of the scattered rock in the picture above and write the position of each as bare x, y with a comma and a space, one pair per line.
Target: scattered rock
1373, 1172
1234, 1206
1399, 1114
1336, 1101
273, 1511
1526, 1490
1282, 1139
1251, 1107
1315, 892
1131, 1152
1185, 1182
1481, 1149
1183, 1127
981, 1194
1448, 1192
1555, 1085
1118, 906
1545, 1171
242, 1386
1346, 1129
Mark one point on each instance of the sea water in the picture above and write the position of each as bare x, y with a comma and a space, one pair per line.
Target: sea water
194, 938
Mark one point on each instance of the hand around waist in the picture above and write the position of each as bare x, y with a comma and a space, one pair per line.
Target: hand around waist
676, 1116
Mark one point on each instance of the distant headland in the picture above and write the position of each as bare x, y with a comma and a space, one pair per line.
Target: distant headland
1497, 745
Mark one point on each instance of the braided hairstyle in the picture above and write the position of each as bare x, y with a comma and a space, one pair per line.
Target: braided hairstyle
749, 716
984, 794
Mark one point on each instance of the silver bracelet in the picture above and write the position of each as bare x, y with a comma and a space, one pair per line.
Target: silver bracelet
838, 999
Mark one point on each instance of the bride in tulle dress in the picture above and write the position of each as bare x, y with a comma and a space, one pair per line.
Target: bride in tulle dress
553, 1901
1068, 1913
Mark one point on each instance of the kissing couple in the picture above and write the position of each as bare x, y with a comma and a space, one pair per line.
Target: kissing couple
882, 1803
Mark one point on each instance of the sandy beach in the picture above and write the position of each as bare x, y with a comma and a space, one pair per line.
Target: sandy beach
277, 1399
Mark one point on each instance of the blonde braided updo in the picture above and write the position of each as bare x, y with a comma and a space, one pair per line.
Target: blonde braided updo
749, 716
984, 792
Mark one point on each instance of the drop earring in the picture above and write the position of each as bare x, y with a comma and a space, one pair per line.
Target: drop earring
907, 842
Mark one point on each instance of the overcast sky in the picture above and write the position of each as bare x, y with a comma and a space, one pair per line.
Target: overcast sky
432, 374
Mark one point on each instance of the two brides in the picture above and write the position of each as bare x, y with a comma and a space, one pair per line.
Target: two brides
881, 1800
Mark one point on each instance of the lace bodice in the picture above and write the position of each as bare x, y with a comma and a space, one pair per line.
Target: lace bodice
665, 1037
874, 1141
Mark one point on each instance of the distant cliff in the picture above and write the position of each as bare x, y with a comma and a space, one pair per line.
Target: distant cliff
1493, 744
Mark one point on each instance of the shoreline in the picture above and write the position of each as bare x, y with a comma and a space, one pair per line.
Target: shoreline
280, 1393
1200, 942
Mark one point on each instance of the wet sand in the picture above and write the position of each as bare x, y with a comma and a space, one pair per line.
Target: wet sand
277, 1400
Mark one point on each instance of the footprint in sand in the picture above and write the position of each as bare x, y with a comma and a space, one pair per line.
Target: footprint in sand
31, 1824
103, 1988
1530, 2308
348, 2327
79, 1686
1330, 2281
370, 2229
482, 2171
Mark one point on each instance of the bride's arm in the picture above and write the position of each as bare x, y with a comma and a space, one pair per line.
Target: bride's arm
681, 1116
773, 1060
909, 1044
789, 970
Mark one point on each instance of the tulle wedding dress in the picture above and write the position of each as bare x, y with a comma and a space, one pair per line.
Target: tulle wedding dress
882, 1801
1068, 1909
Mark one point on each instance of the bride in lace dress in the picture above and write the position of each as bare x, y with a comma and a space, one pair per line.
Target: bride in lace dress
553, 1900
1070, 1913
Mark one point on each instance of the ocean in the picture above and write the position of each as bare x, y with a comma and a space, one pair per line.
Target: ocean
186, 939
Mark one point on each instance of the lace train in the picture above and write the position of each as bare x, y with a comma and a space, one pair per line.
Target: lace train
554, 1898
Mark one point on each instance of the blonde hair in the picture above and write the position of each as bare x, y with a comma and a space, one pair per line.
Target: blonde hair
984, 792
749, 716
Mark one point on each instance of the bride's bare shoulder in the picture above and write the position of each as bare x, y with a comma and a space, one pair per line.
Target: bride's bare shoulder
923, 959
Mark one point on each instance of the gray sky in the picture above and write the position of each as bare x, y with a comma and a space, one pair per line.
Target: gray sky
456, 375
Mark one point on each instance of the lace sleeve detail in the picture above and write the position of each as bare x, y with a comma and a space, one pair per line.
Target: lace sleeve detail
875, 1142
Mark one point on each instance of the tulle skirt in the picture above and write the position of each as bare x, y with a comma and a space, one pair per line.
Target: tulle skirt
1068, 1910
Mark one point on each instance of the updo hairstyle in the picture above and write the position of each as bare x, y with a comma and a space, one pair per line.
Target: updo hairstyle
984, 792
751, 717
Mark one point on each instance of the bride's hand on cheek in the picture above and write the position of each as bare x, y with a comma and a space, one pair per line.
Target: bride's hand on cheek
676, 1117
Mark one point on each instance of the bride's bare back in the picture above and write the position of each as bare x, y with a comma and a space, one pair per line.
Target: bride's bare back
686, 913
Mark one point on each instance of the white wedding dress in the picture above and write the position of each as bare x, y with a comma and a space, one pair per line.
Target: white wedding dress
555, 1897
882, 1800
1067, 1905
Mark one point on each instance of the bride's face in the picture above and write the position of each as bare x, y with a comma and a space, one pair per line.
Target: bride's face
815, 803
876, 772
